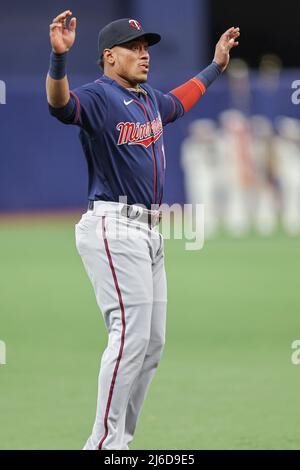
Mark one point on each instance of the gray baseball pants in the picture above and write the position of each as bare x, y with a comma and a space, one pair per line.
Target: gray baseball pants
124, 259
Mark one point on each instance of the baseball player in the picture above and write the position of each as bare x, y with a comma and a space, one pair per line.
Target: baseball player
121, 121
266, 184
287, 150
239, 177
200, 160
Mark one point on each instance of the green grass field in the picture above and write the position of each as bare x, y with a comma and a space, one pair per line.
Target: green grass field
226, 380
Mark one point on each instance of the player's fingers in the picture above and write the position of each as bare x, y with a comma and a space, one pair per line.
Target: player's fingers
231, 32
55, 25
227, 33
72, 25
228, 41
235, 32
61, 22
232, 43
62, 16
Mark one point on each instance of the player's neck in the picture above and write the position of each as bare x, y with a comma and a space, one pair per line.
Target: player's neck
120, 80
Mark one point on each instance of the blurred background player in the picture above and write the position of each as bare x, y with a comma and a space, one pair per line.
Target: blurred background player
266, 196
200, 160
288, 162
238, 171
239, 86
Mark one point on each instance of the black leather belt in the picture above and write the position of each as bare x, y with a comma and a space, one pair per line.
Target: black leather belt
152, 218
91, 205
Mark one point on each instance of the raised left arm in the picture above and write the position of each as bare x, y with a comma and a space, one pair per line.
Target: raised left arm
190, 92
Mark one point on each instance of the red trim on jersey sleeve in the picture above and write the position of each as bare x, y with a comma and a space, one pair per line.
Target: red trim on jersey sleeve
77, 115
173, 109
189, 93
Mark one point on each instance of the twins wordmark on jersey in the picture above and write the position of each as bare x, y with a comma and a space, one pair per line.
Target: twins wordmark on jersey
140, 134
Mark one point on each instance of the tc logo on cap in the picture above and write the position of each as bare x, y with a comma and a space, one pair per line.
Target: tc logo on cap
135, 24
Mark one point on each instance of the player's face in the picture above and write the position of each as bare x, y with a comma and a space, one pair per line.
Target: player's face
132, 61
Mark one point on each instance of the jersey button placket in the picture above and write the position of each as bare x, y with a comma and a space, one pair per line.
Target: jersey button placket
152, 147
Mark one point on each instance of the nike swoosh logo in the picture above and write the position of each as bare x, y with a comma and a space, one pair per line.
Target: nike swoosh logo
128, 102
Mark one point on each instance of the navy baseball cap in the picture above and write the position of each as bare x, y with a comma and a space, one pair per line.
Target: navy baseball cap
121, 31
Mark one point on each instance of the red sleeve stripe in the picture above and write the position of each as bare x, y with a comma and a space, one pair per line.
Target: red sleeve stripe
77, 115
189, 93
173, 110
122, 312
199, 84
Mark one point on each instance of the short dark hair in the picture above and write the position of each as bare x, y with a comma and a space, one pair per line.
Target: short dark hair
100, 62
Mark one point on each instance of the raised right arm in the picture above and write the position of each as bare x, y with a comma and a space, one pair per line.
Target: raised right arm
62, 39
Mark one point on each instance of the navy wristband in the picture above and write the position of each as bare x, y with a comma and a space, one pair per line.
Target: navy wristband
208, 75
57, 69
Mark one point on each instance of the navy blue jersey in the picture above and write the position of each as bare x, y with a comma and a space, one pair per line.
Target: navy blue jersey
121, 133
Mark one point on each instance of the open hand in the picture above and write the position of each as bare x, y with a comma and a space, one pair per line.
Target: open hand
62, 37
226, 42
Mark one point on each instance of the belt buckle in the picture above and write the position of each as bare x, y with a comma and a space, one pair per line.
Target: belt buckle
131, 211
154, 217
135, 212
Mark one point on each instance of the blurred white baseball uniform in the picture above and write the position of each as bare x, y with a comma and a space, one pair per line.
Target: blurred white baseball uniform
288, 162
238, 171
200, 160
265, 210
